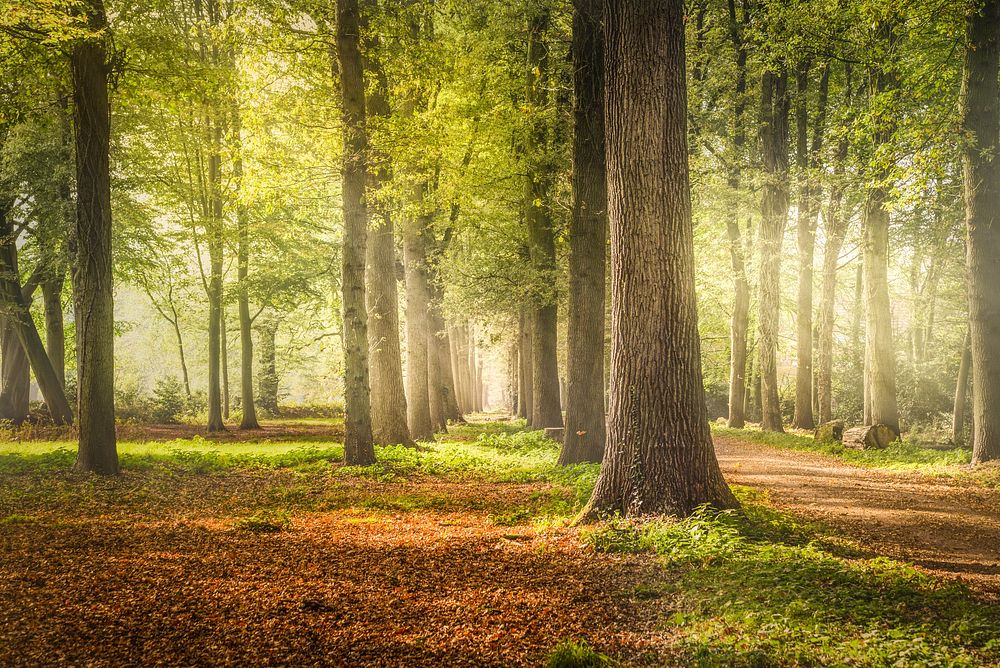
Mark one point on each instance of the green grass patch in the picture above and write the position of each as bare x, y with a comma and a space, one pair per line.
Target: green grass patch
760, 588
576, 654
264, 522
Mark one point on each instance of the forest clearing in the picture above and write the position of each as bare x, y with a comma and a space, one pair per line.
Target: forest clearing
460, 553
477, 332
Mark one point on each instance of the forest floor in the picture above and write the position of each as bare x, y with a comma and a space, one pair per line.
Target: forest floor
272, 552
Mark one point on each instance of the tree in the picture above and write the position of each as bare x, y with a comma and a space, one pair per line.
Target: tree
981, 164
774, 213
92, 275
584, 434
659, 456
358, 445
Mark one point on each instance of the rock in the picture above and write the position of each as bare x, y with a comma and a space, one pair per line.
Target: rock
555, 433
829, 432
876, 436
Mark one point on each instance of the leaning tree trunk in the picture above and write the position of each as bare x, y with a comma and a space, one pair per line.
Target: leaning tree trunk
14, 399
359, 448
961, 390
981, 163
774, 212
93, 280
584, 434
249, 419
546, 410
659, 456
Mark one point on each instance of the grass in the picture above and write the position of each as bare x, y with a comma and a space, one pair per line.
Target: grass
752, 588
760, 588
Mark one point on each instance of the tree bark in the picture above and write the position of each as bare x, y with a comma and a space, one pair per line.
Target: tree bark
55, 331
585, 425
14, 399
659, 457
524, 373
774, 213
224, 363
441, 347
418, 411
740, 322
961, 392
546, 410
93, 281
249, 419
214, 232
981, 167
267, 373
359, 448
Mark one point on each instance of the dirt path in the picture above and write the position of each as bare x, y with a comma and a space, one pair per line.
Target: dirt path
945, 525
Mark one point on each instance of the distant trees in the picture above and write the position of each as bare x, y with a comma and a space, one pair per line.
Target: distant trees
659, 455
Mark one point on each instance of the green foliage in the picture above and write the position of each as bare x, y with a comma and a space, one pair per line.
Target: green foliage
576, 654
169, 401
264, 522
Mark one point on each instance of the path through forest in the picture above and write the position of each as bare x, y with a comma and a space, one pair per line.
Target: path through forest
944, 524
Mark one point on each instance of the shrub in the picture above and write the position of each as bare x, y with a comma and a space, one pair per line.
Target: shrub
169, 401
574, 654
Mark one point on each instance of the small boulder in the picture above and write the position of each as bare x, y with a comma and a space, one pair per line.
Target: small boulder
830, 432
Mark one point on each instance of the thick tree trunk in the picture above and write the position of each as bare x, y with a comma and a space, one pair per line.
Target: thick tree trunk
359, 448
418, 411
545, 410
774, 213
441, 347
14, 398
267, 370
659, 457
93, 281
740, 322
981, 166
961, 392
585, 426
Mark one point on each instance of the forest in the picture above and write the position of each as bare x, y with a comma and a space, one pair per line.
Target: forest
554, 333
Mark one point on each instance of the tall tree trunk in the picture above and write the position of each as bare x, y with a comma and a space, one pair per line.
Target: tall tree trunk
961, 390
660, 457
14, 398
524, 373
546, 410
267, 371
249, 419
418, 411
584, 434
441, 347
456, 366
55, 331
224, 362
981, 163
93, 280
880, 359
774, 213
214, 232
740, 322
359, 448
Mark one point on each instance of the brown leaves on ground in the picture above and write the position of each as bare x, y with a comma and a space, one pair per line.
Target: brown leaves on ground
345, 586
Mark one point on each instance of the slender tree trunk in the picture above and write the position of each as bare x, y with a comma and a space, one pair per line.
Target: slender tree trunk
267, 373
249, 419
418, 411
774, 213
93, 281
441, 347
659, 457
214, 224
981, 166
585, 427
961, 390
740, 322
224, 343
454, 347
180, 351
525, 383
358, 445
55, 331
546, 410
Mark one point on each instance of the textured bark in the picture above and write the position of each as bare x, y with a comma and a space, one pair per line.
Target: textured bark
774, 213
659, 456
454, 341
441, 347
224, 362
249, 419
981, 167
358, 445
92, 279
740, 322
585, 426
546, 410
14, 398
435, 398
418, 411
880, 360
961, 392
